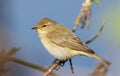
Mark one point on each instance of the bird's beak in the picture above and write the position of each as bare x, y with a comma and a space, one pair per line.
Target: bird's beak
34, 28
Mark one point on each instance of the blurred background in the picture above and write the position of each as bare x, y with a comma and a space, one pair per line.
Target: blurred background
17, 17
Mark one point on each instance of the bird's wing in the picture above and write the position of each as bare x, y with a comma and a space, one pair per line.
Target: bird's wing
68, 39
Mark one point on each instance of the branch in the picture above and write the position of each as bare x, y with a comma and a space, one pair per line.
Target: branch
100, 70
96, 2
40, 68
12, 51
84, 16
52, 67
7, 56
97, 35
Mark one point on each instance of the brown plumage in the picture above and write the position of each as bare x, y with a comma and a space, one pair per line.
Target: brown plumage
63, 43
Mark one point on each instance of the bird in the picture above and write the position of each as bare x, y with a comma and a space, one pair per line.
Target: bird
62, 43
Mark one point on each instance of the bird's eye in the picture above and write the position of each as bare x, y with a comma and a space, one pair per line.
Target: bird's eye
44, 26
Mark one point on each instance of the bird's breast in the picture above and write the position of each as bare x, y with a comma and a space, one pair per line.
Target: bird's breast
57, 51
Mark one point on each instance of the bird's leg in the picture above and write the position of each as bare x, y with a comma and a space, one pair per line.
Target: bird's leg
56, 61
71, 66
63, 62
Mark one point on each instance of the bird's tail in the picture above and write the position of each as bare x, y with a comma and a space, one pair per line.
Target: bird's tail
101, 59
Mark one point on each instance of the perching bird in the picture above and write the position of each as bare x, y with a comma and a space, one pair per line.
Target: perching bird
62, 43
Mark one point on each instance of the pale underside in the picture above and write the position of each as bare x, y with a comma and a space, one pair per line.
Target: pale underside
61, 53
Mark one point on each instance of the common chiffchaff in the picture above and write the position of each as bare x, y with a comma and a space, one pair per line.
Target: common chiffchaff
62, 43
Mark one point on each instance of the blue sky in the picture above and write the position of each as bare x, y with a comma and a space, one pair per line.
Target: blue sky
21, 15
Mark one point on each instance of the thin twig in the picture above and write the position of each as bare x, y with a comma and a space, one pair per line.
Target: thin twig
97, 2
30, 65
12, 51
53, 66
84, 16
100, 70
97, 35
6, 57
